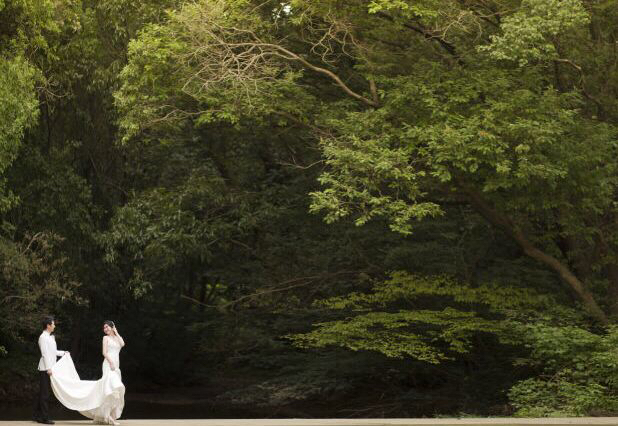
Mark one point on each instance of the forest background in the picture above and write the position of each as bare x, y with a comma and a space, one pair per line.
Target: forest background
316, 207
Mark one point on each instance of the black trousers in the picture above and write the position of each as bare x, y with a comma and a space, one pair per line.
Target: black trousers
41, 403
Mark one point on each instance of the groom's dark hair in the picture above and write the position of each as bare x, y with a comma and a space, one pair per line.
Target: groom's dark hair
47, 321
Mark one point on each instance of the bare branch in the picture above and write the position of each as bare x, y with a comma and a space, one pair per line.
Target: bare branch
582, 83
237, 57
418, 28
283, 286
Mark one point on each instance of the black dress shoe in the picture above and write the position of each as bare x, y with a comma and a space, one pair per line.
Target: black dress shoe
47, 422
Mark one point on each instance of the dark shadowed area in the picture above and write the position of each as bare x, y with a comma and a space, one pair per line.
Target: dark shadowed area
314, 208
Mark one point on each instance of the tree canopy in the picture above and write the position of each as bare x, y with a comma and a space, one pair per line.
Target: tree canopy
342, 208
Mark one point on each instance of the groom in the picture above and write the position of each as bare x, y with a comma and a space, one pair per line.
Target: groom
49, 354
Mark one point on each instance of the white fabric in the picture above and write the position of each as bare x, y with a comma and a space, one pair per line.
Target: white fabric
101, 400
49, 351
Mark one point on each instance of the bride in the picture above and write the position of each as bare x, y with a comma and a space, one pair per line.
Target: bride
100, 400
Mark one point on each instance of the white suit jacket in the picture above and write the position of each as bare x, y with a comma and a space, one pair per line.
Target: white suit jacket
49, 351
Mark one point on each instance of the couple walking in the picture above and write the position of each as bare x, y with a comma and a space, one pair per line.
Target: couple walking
100, 400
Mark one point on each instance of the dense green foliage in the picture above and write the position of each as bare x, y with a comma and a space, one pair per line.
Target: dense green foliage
326, 207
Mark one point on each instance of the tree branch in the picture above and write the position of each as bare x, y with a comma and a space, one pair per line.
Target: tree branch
449, 47
501, 221
326, 72
582, 80
304, 281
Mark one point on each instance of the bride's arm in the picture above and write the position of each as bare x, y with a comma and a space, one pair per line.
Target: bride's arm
109, 360
120, 339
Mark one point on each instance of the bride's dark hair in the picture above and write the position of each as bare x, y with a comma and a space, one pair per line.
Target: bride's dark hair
110, 323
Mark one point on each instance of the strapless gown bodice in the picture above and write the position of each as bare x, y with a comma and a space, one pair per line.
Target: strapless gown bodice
113, 351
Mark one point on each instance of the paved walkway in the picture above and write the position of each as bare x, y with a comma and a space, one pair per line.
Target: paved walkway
345, 422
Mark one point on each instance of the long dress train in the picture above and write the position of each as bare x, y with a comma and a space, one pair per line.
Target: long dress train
100, 400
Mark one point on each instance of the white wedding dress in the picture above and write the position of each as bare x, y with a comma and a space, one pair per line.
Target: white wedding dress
100, 400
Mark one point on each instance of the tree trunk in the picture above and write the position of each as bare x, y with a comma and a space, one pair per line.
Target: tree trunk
76, 332
612, 291
504, 223
202, 299
190, 279
608, 251
578, 255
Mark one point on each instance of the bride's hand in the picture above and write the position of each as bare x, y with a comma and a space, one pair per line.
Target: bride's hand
112, 366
